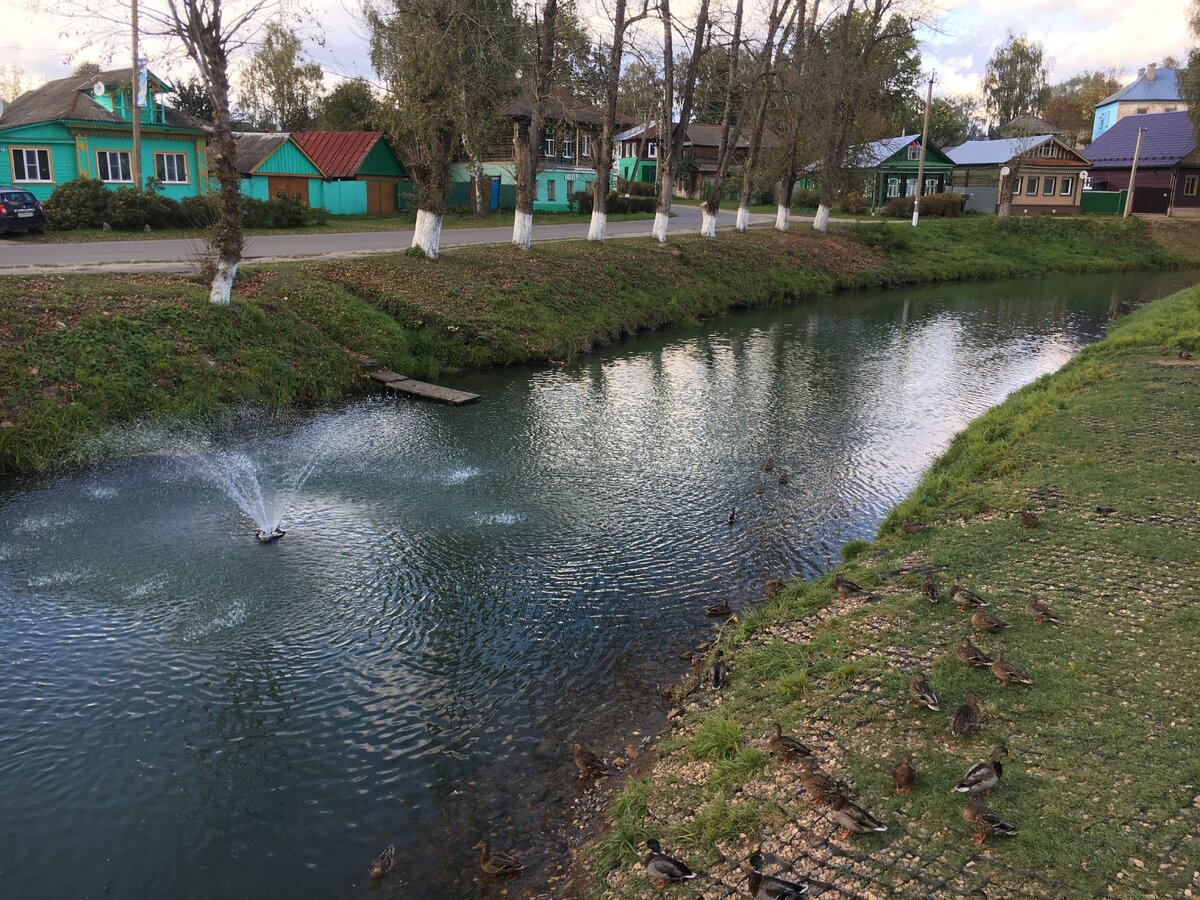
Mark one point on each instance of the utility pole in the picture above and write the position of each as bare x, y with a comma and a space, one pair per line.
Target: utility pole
1137, 152
135, 158
921, 162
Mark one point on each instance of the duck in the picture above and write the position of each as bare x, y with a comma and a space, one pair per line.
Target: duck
769, 465
966, 719
663, 868
986, 623
982, 777
720, 671
732, 517
965, 598
762, 487
853, 818
785, 746
1028, 519
977, 894
821, 789
769, 887
384, 862
913, 527
589, 764
265, 538
1041, 612
920, 689
844, 586
784, 477
720, 610
972, 655
497, 862
1006, 673
929, 589
984, 821
903, 776
775, 587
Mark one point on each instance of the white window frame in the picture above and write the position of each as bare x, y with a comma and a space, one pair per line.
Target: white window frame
930, 185
108, 154
585, 145
180, 163
1018, 183
893, 187
1049, 185
570, 182
1143, 110
568, 146
551, 190
914, 152
1034, 184
1066, 187
1194, 182
652, 149
1046, 150
25, 151
910, 187
549, 143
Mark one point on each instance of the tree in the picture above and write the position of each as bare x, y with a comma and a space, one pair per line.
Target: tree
191, 97
280, 88
14, 82
731, 126
1070, 105
1014, 82
351, 106
1189, 78
527, 134
641, 86
712, 81
797, 112
953, 120
86, 70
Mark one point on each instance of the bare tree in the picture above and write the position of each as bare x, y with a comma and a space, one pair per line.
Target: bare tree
795, 106
730, 135
527, 135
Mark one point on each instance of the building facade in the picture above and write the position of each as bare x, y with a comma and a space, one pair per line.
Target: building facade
887, 168
1168, 175
1044, 175
1154, 91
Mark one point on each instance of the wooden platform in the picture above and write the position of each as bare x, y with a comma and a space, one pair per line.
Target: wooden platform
411, 386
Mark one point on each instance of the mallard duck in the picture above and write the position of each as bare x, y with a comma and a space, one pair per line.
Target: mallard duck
719, 671
784, 477
769, 465
774, 587
663, 868
589, 764
496, 862
984, 822
966, 719
383, 863
769, 887
720, 610
844, 586
821, 789
1042, 614
853, 818
1028, 519
762, 486
986, 623
732, 516
972, 655
903, 776
920, 689
913, 527
1006, 673
784, 746
965, 598
977, 894
929, 589
982, 777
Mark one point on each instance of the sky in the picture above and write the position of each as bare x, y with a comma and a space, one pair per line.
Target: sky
1077, 35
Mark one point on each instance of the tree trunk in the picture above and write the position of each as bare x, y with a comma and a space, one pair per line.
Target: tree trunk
729, 134
783, 213
604, 152
482, 194
227, 239
523, 153
671, 149
527, 137
432, 181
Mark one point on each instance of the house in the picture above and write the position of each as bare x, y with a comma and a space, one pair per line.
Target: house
1044, 176
272, 163
1155, 90
637, 156
888, 168
82, 127
361, 170
636, 153
1168, 175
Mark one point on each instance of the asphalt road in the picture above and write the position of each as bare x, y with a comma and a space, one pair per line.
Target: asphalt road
19, 257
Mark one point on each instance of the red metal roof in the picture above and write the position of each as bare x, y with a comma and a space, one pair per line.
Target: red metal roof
339, 154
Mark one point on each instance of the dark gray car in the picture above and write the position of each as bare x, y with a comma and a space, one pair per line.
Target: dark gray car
20, 211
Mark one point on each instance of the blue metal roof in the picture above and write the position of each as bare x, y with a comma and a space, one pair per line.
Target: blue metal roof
868, 156
994, 153
1165, 86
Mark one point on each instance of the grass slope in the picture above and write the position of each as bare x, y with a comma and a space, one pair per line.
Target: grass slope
1103, 779
79, 353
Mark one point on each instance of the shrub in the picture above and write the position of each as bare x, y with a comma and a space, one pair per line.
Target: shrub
854, 204
581, 202
318, 215
950, 205
131, 210
806, 199
641, 189
82, 203
199, 211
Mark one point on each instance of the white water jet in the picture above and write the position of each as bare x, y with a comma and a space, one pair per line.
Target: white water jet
783, 218
743, 218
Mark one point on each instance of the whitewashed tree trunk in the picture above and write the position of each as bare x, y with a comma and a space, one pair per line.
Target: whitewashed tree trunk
222, 283
783, 218
821, 222
428, 234
523, 230
708, 224
659, 231
743, 218
599, 226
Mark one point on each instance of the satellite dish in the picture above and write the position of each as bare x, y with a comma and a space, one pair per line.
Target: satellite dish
1005, 171
98, 88
1085, 174
1, 107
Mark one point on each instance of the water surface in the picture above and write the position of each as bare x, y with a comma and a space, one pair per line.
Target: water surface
461, 592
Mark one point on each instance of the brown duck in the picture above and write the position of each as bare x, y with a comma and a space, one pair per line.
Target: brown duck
784, 746
384, 862
984, 822
1041, 612
821, 789
965, 598
982, 777
844, 586
966, 719
719, 610
929, 589
784, 477
920, 689
853, 818
496, 862
986, 623
774, 587
663, 868
1006, 673
903, 776
588, 763
972, 655
1028, 519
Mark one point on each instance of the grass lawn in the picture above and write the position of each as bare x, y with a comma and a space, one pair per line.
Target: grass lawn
402, 221
1103, 776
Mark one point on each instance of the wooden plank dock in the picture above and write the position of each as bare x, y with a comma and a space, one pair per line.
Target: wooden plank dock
412, 387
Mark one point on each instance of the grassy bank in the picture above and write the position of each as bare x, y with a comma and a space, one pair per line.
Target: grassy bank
81, 352
1103, 774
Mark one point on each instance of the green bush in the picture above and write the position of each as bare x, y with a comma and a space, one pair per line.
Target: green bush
131, 210
806, 199
581, 202
82, 203
641, 189
950, 205
199, 211
854, 204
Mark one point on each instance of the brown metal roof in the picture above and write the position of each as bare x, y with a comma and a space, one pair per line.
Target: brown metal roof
71, 99
339, 154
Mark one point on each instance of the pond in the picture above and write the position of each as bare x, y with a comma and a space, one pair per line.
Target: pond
461, 592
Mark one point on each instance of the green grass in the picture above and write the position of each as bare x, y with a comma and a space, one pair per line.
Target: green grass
1105, 761
79, 353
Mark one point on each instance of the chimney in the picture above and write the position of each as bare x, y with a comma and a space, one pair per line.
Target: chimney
1150, 71
1142, 72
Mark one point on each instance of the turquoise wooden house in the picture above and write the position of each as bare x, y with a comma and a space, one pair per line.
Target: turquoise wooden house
272, 163
362, 171
81, 127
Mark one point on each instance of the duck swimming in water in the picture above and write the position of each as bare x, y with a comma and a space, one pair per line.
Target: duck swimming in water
264, 538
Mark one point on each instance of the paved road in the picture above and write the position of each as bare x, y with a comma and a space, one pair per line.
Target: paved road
18, 257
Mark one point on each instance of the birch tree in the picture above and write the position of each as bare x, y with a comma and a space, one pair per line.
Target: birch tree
730, 132
527, 135
796, 107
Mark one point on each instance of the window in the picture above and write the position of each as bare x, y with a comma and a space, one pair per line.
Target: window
652, 150
570, 179
171, 168
1032, 190
914, 151
549, 144
1068, 187
1142, 110
30, 164
1171, 109
113, 165
585, 145
893, 187
1017, 185
910, 186
930, 185
551, 191
1051, 185
568, 143
1190, 185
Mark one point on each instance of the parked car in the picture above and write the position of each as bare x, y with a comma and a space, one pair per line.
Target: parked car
20, 211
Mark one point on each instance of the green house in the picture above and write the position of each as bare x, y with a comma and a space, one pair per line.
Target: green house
82, 127
272, 163
888, 168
